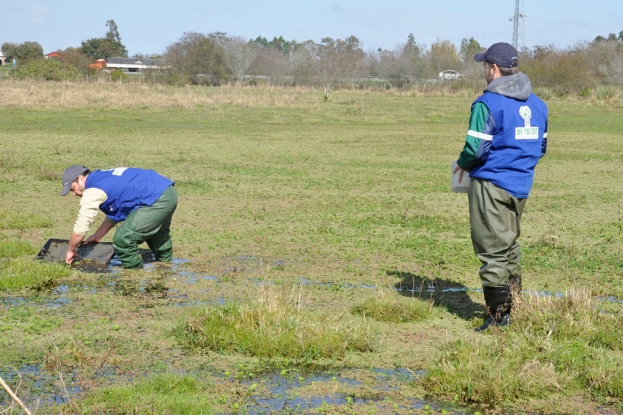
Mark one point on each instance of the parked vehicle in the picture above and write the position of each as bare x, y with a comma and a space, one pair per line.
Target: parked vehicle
449, 74
99, 64
129, 64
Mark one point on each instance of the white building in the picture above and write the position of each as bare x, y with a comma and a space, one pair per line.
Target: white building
2, 59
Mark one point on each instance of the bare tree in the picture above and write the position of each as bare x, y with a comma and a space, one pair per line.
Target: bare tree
272, 64
239, 55
335, 61
400, 66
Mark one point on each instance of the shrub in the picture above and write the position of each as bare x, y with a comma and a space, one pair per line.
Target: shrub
563, 71
46, 70
118, 75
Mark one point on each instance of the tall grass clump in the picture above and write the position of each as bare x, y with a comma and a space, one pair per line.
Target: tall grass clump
606, 92
544, 93
273, 326
393, 308
160, 394
567, 345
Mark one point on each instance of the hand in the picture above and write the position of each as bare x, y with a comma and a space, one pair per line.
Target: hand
92, 238
457, 168
70, 257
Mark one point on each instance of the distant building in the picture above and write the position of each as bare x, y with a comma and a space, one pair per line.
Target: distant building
54, 55
2, 59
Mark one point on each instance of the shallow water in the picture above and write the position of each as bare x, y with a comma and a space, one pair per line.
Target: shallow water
290, 392
36, 388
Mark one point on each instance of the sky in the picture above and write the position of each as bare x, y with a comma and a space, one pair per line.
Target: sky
148, 27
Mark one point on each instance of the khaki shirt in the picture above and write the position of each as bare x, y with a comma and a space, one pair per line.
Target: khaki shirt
90, 203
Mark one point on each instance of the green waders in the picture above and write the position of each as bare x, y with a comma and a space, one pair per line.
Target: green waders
149, 224
494, 216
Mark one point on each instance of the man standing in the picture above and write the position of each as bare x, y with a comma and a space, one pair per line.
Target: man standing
142, 199
507, 136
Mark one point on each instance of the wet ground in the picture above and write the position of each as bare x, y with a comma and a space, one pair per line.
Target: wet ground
181, 285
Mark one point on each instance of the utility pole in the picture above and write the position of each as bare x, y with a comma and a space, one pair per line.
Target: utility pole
518, 28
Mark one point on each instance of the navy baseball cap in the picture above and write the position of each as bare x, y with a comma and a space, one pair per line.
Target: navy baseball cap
70, 174
502, 54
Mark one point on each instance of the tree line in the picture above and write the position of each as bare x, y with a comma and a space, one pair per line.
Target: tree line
218, 58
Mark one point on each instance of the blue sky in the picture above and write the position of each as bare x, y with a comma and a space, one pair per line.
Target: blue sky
150, 26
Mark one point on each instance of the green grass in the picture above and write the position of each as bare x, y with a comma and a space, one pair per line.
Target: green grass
28, 320
160, 394
19, 270
554, 344
18, 220
393, 308
274, 326
349, 193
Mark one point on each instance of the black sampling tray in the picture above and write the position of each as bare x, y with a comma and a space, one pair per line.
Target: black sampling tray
55, 250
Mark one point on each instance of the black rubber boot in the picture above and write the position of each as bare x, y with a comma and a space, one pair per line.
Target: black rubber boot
499, 301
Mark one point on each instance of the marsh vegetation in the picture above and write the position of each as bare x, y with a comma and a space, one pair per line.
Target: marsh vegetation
320, 243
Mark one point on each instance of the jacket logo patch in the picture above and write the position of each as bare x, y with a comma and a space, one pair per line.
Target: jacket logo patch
526, 132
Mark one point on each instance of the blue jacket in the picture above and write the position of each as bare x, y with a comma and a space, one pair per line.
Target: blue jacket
127, 189
507, 135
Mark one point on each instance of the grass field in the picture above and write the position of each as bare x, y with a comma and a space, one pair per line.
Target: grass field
300, 218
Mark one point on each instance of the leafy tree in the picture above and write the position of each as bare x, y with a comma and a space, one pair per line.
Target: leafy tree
442, 56
196, 58
612, 36
76, 58
411, 49
107, 46
600, 38
284, 46
22, 52
621, 36
8, 49
469, 47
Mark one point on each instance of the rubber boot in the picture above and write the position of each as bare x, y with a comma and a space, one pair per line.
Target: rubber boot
499, 302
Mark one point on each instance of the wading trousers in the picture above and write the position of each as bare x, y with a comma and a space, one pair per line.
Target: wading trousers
494, 216
149, 224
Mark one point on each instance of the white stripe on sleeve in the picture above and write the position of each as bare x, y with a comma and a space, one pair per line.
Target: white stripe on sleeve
482, 136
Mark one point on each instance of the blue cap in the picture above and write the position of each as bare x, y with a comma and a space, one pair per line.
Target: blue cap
502, 54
